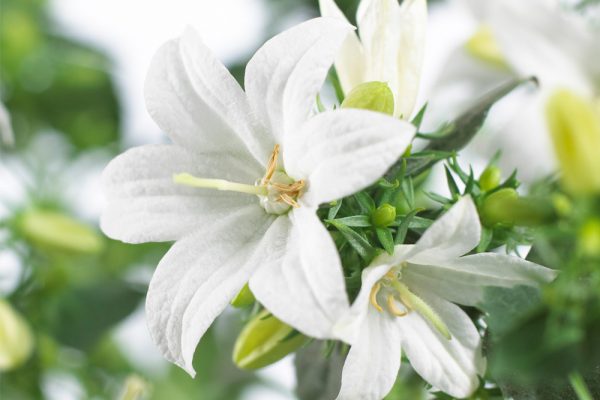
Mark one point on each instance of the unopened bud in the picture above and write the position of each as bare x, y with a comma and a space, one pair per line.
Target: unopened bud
383, 215
55, 231
484, 46
574, 123
589, 238
373, 96
265, 340
490, 178
16, 339
507, 208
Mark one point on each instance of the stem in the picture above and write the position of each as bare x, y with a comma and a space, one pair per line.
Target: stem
579, 386
218, 184
413, 301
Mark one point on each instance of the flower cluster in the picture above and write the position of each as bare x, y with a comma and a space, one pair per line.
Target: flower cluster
251, 185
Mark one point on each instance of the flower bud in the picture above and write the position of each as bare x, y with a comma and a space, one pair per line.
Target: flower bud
373, 96
574, 124
265, 340
16, 339
483, 46
383, 215
589, 238
135, 388
507, 208
490, 178
55, 231
244, 298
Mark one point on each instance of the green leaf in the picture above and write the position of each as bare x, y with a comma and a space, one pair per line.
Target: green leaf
386, 239
486, 238
418, 119
365, 202
360, 244
335, 209
403, 228
372, 96
451, 183
355, 221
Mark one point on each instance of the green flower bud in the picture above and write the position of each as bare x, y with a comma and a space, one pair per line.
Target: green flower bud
135, 388
16, 339
507, 208
265, 340
483, 46
562, 204
383, 215
244, 298
589, 238
374, 96
55, 231
574, 124
490, 178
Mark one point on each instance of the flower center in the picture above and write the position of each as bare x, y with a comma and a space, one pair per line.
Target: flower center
399, 300
277, 192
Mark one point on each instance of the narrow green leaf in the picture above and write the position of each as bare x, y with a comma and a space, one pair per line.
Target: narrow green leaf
451, 183
437, 198
403, 228
355, 221
386, 239
358, 243
333, 211
366, 203
418, 119
486, 238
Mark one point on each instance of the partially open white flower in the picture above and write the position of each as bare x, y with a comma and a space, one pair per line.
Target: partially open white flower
239, 187
405, 302
391, 48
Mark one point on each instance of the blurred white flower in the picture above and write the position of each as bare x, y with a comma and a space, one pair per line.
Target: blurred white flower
390, 49
272, 166
405, 302
513, 38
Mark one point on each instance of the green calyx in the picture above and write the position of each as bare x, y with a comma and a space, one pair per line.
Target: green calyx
383, 216
16, 338
264, 341
244, 298
373, 96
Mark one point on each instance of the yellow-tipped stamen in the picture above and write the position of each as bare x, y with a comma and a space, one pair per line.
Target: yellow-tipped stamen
414, 302
271, 165
218, 184
288, 200
373, 296
391, 304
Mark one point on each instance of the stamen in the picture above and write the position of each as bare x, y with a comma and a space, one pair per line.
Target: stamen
414, 302
289, 200
391, 303
218, 184
271, 165
373, 296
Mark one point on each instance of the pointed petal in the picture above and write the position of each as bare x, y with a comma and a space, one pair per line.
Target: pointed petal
350, 61
449, 365
341, 152
410, 55
145, 205
464, 279
286, 73
301, 280
457, 232
197, 102
198, 277
373, 362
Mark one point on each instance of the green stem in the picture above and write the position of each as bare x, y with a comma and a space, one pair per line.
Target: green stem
579, 386
218, 184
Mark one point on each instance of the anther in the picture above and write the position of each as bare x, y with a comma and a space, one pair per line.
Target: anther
373, 297
391, 304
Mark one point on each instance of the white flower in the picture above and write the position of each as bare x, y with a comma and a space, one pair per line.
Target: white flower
405, 302
273, 166
390, 49
512, 39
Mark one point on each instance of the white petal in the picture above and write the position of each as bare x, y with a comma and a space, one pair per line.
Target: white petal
341, 152
301, 280
145, 205
348, 326
373, 362
528, 35
197, 278
379, 32
410, 55
195, 100
350, 61
286, 73
449, 365
464, 279
457, 232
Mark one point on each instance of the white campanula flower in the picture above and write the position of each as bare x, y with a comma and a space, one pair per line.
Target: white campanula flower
406, 304
390, 49
239, 187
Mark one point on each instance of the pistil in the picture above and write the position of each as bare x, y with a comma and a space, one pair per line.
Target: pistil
219, 184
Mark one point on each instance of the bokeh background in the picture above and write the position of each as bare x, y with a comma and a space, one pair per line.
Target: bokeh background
71, 77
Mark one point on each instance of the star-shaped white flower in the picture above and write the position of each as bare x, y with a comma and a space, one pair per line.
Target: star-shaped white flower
391, 48
406, 302
272, 163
